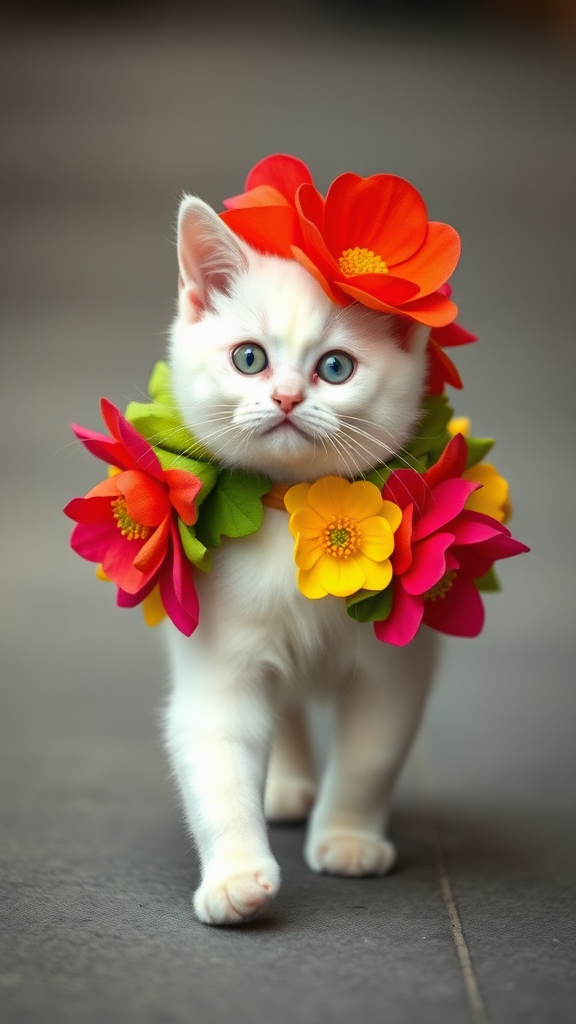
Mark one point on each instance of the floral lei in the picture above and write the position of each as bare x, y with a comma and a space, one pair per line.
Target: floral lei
413, 542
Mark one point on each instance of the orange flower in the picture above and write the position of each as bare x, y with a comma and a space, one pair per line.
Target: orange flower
369, 240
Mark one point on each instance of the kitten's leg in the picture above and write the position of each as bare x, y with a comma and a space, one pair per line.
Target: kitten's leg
377, 717
290, 785
218, 733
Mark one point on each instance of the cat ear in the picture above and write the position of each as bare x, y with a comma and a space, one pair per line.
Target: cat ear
209, 256
409, 335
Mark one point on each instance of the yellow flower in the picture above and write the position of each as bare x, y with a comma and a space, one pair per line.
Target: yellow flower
492, 498
460, 425
344, 536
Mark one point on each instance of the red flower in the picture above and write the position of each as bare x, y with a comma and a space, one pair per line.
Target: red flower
369, 240
441, 369
440, 549
128, 522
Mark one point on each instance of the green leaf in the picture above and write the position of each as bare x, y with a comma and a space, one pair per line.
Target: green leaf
193, 549
478, 448
378, 476
370, 605
419, 465
159, 383
489, 582
431, 433
160, 422
233, 508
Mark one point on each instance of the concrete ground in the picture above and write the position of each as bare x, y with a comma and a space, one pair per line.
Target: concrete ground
103, 128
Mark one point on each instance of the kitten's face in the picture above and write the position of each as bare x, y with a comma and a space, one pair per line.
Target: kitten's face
272, 376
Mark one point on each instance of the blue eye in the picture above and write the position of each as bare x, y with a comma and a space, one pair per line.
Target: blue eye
335, 368
250, 358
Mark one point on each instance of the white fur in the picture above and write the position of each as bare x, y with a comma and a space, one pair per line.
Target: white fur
261, 646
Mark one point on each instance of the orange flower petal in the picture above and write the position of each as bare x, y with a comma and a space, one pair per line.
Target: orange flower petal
394, 291
434, 262
383, 213
312, 269
106, 488
270, 229
433, 310
282, 171
262, 195
150, 557
183, 488
310, 207
146, 500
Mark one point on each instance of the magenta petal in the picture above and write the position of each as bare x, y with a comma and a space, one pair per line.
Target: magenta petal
405, 486
144, 456
459, 613
118, 563
428, 563
88, 510
453, 563
404, 620
177, 589
126, 600
105, 448
502, 546
469, 529
92, 542
141, 454
444, 503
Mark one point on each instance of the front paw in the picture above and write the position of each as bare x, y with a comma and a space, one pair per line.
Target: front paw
235, 896
342, 852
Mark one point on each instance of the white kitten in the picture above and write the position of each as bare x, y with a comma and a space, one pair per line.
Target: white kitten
274, 378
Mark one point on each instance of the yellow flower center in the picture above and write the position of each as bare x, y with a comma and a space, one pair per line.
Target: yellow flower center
127, 526
441, 588
341, 537
361, 261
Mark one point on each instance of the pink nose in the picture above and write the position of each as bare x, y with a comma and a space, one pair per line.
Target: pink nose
286, 402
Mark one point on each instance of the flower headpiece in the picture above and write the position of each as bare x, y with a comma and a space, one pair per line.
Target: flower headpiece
402, 546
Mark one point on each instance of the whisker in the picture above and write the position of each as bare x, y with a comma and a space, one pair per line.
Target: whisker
394, 452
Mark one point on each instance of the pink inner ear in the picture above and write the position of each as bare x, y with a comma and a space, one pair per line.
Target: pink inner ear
192, 304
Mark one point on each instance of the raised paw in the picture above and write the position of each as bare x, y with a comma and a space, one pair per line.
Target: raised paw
238, 896
289, 798
349, 853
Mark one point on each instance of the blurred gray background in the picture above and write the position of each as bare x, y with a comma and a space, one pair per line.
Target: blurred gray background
105, 121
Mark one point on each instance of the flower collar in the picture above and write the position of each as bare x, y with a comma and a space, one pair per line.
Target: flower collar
414, 541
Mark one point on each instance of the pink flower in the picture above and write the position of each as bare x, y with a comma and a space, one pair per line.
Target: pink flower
440, 550
128, 522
